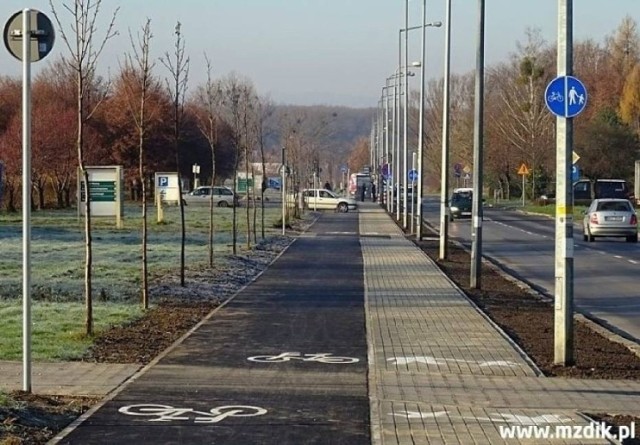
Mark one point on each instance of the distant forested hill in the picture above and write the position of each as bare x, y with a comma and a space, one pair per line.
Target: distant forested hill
334, 130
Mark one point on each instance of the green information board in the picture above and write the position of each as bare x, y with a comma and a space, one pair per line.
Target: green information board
243, 183
99, 191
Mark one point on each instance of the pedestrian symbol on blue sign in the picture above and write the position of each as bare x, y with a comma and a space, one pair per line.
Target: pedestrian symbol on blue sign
163, 181
566, 96
413, 175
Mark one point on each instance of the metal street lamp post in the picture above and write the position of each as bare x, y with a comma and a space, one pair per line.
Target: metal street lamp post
421, 124
476, 234
397, 173
444, 186
403, 176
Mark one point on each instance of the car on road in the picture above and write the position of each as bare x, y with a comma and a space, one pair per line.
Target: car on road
610, 217
222, 196
461, 203
323, 199
586, 189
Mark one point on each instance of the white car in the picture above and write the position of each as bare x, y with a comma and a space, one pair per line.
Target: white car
222, 196
323, 199
610, 217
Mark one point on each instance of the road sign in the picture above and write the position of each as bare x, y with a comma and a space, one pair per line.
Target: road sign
41, 33
575, 157
466, 169
385, 171
457, 169
344, 169
523, 170
413, 175
163, 181
575, 172
565, 96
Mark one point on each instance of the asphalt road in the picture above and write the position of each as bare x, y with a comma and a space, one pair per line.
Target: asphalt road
605, 272
284, 362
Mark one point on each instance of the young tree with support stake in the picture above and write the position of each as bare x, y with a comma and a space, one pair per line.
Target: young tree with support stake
178, 66
140, 67
82, 60
209, 98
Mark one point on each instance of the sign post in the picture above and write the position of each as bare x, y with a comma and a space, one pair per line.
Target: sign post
566, 97
523, 171
413, 177
35, 46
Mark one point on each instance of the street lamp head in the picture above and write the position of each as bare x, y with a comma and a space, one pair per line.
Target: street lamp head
416, 64
435, 24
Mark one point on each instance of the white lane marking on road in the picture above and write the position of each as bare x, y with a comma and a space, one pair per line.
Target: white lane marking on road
633, 261
618, 257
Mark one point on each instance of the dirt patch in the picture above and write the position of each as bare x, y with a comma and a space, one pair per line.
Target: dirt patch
145, 338
619, 421
35, 419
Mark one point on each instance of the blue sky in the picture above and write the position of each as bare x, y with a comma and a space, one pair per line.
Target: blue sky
333, 52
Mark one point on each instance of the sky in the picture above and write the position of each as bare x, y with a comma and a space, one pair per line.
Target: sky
323, 52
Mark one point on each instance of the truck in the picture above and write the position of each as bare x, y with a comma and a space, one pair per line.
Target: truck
359, 182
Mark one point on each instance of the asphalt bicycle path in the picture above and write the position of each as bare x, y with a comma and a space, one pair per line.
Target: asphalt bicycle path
284, 362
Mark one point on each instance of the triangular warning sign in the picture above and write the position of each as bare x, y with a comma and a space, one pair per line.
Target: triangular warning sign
523, 170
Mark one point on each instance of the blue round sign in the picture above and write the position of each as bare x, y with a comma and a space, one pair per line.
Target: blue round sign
413, 175
565, 96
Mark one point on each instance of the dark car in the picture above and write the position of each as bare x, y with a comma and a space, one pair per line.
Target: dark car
586, 190
461, 203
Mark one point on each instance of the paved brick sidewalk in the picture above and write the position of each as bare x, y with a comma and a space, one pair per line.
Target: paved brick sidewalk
67, 378
441, 372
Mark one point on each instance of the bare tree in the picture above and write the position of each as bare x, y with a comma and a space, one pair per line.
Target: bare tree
209, 98
234, 93
525, 123
140, 67
82, 59
247, 108
264, 110
178, 66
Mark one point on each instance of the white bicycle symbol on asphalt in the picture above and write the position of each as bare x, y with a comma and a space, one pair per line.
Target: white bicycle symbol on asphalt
320, 357
555, 96
166, 413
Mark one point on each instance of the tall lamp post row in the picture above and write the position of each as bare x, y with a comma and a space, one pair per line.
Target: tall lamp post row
392, 131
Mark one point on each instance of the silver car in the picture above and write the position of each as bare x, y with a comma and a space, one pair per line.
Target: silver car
610, 217
222, 196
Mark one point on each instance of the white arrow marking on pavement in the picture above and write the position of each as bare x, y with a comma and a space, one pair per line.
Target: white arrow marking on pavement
419, 415
427, 360
500, 417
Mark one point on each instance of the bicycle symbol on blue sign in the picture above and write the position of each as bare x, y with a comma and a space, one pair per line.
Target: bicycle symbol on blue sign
566, 96
413, 175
